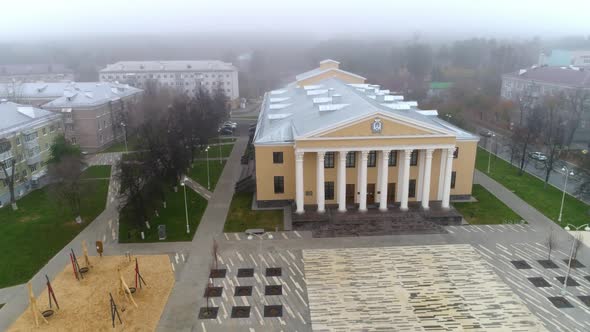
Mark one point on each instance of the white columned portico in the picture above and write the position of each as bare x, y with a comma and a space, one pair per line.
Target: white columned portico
342, 181
400, 174
363, 181
405, 179
426, 178
448, 173
320, 195
379, 157
299, 181
384, 162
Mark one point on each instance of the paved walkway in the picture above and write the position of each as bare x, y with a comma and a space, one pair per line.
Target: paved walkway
180, 313
199, 189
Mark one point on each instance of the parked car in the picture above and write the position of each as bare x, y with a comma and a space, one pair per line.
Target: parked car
538, 156
226, 131
231, 124
486, 133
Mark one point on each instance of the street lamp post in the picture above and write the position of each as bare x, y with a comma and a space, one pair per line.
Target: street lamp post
208, 178
125, 135
569, 264
219, 144
568, 172
260, 238
490, 151
183, 184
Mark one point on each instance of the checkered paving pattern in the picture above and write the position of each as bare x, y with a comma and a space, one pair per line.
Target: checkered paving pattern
414, 288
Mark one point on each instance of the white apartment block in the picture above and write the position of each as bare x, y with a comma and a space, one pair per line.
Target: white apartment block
184, 76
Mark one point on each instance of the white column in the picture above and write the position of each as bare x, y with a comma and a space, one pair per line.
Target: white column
383, 166
379, 172
426, 178
363, 183
419, 185
400, 174
406, 180
299, 181
448, 172
320, 186
342, 181
441, 175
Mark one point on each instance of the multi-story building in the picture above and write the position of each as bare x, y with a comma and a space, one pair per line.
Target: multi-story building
35, 72
560, 58
183, 76
92, 110
328, 140
30, 132
539, 81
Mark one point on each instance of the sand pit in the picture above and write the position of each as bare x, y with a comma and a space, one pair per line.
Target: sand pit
85, 304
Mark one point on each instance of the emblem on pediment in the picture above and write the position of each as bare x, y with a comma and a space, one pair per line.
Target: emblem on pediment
376, 126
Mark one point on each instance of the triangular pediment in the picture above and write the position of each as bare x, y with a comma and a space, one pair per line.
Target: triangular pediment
379, 124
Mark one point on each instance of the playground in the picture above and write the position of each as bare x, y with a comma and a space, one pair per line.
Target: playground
82, 292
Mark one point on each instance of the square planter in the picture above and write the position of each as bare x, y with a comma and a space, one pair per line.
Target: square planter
208, 313
575, 263
273, 290
539, 282
240, 312
217, 273
213, 291
521, 265
274, 272
585, 300
243, 291
570, 281
245, 273
273, 311
560, 302
548, 264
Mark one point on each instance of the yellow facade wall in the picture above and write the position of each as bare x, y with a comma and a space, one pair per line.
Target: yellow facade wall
464, 165
331, 74
266, 170
373, 142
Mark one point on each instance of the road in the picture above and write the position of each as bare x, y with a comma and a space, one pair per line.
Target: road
500, 145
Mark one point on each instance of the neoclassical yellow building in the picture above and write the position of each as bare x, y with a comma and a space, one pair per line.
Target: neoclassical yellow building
329, 139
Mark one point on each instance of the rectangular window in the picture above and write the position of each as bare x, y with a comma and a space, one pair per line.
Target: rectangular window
277, 157
279, 184
329, 190
414, 158
453, 179
372, 159
456, 152
412, 189
329, 160
350, 159
392, 158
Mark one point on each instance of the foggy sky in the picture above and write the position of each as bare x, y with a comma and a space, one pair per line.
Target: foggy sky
40, 19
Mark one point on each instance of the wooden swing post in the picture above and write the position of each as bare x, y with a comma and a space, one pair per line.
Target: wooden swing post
33, 305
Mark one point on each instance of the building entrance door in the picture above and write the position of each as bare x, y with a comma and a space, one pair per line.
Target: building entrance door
370, 194
350, 194
390, 193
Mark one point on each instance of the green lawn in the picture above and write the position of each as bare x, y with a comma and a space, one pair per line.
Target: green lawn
530, 189
214, 151
487, 210
97, 172
199, 172
173, 216
222, 140
41, 227
241, 216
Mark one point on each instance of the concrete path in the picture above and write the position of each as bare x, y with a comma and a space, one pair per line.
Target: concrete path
180, 312
199, 189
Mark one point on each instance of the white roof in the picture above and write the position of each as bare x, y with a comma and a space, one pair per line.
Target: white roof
162, 66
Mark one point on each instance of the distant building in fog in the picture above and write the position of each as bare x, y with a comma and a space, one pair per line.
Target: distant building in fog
35, 72
564, 58
184, 76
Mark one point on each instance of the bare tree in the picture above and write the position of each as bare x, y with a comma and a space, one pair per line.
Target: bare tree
67, 174
523, 136
553, 129
578, 103
8, 167
550, 242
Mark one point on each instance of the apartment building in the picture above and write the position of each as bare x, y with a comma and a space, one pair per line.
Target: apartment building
92, 110
45, 72
183, 76
26, 134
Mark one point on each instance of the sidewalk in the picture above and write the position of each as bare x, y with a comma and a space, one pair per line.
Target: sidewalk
186, 296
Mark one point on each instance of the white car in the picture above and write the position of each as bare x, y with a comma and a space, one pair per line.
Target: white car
231, 124
538, 156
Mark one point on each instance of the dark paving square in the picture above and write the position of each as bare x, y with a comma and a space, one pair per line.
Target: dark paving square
273, 311
575, 263
245, 273
585, 299
273, 290
217, 273
240, 312
521, 265
548, 264
539, 282
570, 281
208, 313
213, 291
243, 291
560, 302
587, 278
274, 272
